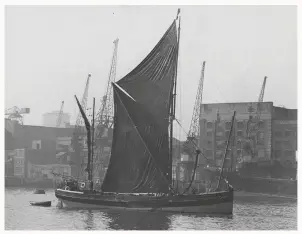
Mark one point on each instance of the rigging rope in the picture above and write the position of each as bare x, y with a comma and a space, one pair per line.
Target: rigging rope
192, 141
198, 151
193, 176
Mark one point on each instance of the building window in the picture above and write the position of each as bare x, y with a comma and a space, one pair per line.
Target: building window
287, 144
238, 152
260, 138
288, 133
210, 143
209, 153
219, 129
288, 153
278, 134
227, 133
219, 154
209, 125
36, 144
209, 134
277, 154
261, 124
239, 133
278, 144
228, 125
220, 145
238, 144
240, 125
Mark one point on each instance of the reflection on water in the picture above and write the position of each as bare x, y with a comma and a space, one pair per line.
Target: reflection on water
261, 214
89, 220
138, 220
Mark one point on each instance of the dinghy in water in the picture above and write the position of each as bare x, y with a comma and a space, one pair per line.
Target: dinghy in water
39, 191
44, 203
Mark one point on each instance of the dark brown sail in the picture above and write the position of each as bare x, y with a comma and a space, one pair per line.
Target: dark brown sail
140, 155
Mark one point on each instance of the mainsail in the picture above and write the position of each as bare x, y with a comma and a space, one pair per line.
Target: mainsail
140, 152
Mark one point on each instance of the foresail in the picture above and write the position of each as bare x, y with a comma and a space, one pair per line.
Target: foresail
132, 166
140, 156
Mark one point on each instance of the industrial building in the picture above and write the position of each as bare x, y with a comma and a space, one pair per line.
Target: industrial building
29, 149
47, 149
276, 138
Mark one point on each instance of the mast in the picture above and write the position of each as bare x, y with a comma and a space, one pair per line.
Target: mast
173, 105
226, 149
92, 144
88, 128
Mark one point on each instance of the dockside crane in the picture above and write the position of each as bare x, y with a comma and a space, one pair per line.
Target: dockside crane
15, 113
104, 116
193, 135
253, 123
60, 114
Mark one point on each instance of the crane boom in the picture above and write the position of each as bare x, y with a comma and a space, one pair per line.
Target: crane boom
104, 118
255, 125
189, 146
194, 127
105, 114
260, 99
59, 119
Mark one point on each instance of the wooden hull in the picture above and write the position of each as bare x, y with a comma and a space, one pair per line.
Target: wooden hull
264, 185
208, 203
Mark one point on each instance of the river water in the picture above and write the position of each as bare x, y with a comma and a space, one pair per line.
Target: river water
257, 213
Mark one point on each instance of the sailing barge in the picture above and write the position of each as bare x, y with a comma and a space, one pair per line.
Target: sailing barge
139, 174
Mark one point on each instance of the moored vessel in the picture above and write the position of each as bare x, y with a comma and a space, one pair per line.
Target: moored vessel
139, 174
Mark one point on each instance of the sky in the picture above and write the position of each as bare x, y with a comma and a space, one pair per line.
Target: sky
49, 51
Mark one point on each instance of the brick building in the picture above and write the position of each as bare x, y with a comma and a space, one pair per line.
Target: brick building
275, 139
284, 136
40, 143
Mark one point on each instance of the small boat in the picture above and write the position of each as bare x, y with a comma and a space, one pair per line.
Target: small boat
39, 191
44, 203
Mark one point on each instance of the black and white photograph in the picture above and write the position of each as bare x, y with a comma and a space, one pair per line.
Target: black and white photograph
150, 117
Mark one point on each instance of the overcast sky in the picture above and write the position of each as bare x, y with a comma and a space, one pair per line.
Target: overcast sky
50, 50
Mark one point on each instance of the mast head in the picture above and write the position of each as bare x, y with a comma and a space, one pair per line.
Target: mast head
178, 12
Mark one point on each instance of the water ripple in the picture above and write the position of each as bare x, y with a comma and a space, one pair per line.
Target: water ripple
255, 215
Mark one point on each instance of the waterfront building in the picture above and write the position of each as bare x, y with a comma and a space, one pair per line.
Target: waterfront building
276, 138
